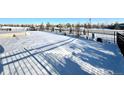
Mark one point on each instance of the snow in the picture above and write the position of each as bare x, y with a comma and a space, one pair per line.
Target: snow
15, 28
48, 53
106, 38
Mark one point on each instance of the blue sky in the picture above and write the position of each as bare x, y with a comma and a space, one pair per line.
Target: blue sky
58, 20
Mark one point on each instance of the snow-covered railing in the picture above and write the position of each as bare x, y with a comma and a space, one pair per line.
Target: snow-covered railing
120, 42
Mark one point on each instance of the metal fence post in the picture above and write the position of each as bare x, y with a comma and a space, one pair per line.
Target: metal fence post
114, 37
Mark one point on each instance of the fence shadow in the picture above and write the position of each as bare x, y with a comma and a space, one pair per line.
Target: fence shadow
40, 47
107, 58
1, 65
64, 66
30, 54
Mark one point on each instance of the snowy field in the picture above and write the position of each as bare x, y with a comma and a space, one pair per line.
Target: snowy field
48, 53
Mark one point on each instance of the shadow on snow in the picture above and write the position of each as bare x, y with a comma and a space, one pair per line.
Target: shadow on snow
1, 65
108, 59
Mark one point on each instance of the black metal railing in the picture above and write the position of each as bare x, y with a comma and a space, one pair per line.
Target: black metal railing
120, 42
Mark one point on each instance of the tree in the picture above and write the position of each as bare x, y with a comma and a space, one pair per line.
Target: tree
60, 27
32, 28
52, 28
68, 25
41, 28
77, 29
73, 26
48, 26
116, 25
102, 25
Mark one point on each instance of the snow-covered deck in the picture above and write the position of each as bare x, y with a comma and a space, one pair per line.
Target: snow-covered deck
47, 53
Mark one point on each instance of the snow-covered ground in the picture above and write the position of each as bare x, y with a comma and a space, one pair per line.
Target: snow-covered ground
105, 37
47, 53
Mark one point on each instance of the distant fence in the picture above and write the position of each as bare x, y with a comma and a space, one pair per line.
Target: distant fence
107, 36
120, 42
